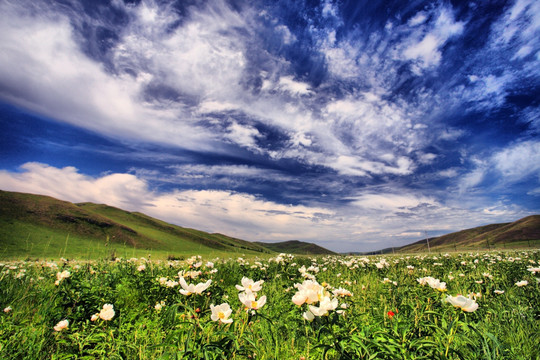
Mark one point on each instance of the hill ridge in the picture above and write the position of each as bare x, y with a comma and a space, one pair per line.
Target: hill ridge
526, 229
43, 219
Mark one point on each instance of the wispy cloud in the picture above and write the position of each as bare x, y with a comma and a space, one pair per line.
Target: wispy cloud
515, 163
352, 225
370, 123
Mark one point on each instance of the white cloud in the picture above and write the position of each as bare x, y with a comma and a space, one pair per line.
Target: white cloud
471, 179
287, 83
243, 135
391, 202
510, 165
49, 74
418, 19
448, 173
236, 214
202, 64
425, 43
121, 190
368, 221
518, 161
426, 51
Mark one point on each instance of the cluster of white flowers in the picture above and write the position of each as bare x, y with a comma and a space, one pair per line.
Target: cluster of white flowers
195, 261
248, 293
282, 258
189, 289
464, 303
433, 283
61, 325
164, 281
388, 281
192, 274
106, 313
61, 276
382, 264
312, 293
248, 297
159, 306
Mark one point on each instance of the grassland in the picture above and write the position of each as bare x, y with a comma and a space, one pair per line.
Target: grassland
34, 226
523, 233
363, 308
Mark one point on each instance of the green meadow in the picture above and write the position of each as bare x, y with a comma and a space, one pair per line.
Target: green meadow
423, 306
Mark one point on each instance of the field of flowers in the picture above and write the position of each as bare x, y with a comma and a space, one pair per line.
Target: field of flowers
458, 306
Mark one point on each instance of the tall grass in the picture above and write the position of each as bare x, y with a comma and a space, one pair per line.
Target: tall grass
390, 315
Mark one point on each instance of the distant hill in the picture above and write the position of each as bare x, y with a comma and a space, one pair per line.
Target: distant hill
296, 247
521, 233
36, 225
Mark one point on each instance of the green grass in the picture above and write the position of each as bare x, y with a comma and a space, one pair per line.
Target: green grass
505, 326
46, 243
33, 226
499, 236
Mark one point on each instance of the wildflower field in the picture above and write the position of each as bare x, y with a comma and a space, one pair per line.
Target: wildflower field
430, 306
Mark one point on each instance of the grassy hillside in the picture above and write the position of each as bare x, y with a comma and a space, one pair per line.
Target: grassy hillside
521, 233
297, 247
41, 226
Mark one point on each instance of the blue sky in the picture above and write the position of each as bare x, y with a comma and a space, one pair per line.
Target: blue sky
356, 125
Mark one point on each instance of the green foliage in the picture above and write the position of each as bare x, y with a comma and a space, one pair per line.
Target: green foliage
390, 315
34, 226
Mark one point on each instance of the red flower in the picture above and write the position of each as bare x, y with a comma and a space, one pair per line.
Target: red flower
390, 314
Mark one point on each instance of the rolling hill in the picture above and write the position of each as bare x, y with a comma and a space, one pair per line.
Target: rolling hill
523, 232
41, 226
297, 247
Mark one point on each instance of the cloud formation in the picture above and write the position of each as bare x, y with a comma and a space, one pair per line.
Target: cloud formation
364, 219
320, 118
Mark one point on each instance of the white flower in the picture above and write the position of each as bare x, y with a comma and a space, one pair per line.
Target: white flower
308, 315
488, 275
61, 325
341, 292
250, 285
433, 283
107, 313
94, 317
462, 302
325, 305
250, 301
522, 283
534, 270
193, 289
7, 309
498, 292
221, 313
309, 292
141, 267
159, 306
61, 276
